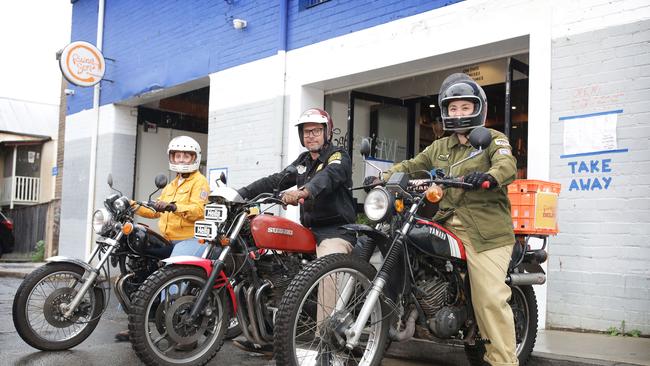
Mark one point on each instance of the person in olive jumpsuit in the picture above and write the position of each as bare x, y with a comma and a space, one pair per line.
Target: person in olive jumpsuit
481, 218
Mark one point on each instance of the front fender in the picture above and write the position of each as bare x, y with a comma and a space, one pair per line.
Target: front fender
206, 265
61, 259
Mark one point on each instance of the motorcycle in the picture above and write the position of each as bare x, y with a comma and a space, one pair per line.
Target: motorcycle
421, 289
59, 304
180, 313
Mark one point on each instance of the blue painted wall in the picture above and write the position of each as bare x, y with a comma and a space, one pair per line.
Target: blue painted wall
159, 44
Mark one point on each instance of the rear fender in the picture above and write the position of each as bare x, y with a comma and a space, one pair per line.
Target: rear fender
206, 265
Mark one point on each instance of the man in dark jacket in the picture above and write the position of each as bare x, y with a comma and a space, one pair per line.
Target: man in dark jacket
323, 182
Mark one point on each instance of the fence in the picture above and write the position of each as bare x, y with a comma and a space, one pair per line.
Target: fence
30, 223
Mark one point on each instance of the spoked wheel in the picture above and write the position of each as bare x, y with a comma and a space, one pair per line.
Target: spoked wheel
524, 310
40, 304
159, 332
320, 304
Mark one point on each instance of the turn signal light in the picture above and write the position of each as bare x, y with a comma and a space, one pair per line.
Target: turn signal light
224, 241
201, 241
399, 206
434, 193
127, 228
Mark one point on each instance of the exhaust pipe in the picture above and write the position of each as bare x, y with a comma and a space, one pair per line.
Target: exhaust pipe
521, 279
122, 298
261, 323
407, 332
250, 302
241, 315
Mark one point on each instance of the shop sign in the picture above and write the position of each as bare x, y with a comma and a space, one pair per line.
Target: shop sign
82, 64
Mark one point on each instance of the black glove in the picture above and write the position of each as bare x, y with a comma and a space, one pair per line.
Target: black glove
370, 180
162, 206
477, 178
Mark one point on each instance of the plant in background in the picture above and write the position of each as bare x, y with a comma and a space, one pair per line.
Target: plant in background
39, 253
614, 331
363, 219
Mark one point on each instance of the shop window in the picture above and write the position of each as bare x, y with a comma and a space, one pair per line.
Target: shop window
306, 4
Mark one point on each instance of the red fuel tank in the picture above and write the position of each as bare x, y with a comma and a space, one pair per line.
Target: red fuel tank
278, 233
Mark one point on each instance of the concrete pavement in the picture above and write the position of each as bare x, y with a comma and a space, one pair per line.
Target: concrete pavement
552, 347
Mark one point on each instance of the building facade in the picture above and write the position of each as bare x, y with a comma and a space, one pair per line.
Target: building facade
568, 82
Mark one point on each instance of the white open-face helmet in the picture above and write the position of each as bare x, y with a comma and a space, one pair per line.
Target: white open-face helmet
187, 144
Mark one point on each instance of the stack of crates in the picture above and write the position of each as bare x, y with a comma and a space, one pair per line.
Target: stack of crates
534, 206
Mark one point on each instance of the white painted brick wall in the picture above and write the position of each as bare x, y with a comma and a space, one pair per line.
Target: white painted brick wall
599, 266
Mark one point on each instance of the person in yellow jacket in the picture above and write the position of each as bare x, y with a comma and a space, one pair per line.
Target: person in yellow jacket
181, 202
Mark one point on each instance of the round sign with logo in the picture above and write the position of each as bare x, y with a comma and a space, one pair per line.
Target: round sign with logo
82, 63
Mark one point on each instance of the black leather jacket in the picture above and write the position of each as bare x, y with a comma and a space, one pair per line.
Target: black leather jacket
327, 179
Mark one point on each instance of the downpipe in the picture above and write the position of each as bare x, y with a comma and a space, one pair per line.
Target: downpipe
408, 331
261, 323
241, 315
250, 304
523, 279
121, 294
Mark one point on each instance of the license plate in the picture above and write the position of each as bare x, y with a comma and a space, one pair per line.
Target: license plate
217, 213
205, 230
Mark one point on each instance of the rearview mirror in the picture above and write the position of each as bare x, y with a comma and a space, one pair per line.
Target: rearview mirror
109, 180
161, 181
365, 148
480, 137
223, 178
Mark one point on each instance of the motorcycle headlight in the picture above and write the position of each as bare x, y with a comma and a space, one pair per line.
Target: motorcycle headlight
377, 204
101, 220
120, 204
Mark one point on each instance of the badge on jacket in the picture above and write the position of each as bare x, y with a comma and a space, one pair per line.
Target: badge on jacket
334, 158
301, 169
443, 157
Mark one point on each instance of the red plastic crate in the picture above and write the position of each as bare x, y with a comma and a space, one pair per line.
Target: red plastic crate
534, 206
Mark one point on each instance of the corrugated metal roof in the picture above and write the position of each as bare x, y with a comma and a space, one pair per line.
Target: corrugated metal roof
32, 118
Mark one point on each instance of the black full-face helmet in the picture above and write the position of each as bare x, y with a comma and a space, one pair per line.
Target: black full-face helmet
461, 87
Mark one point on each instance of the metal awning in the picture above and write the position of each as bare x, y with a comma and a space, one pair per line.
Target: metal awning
11, 139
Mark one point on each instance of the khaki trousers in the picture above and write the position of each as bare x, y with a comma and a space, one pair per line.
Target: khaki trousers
327, 288
490, 294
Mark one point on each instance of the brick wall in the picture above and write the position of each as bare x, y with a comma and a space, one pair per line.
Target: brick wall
599, 273
161, 44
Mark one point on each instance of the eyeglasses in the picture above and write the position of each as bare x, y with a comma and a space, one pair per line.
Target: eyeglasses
314, 132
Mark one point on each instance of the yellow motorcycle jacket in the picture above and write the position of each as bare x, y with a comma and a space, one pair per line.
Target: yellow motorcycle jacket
190, 197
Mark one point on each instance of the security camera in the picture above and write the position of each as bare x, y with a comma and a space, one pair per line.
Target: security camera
68, 92
239, 23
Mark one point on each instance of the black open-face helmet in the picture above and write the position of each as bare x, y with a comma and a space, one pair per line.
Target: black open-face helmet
461, 87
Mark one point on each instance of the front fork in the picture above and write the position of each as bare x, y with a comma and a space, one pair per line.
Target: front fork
217, 267
353, 333
90, 280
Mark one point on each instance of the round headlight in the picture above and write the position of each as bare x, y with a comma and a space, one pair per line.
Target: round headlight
101, 220
377, 204
120, 204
